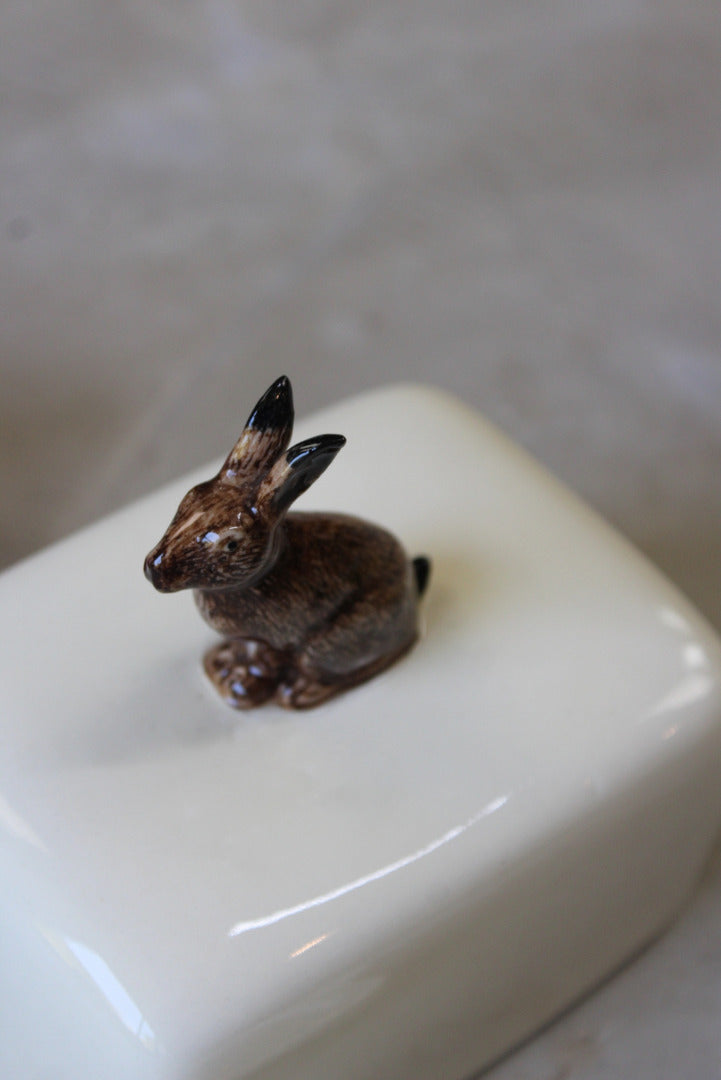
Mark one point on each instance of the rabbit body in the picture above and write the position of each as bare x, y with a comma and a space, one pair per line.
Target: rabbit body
310, 603
338, 605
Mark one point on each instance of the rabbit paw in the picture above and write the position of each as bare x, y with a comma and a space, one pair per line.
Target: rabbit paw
304, 692
244, 672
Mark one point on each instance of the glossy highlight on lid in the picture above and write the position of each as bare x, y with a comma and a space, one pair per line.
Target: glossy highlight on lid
371, 877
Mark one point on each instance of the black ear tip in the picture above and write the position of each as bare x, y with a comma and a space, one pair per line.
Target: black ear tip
275, 408
321, 447
333, 442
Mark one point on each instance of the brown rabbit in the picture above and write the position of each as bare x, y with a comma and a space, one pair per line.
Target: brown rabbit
310, 604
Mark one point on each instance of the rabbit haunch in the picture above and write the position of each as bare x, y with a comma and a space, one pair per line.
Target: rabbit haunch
310, 603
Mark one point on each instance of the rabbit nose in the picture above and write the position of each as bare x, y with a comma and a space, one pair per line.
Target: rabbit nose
152, 567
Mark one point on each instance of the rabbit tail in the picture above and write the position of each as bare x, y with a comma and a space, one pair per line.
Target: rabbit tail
422, 571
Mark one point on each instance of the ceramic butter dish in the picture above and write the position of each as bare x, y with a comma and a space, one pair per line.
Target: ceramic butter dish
399, 884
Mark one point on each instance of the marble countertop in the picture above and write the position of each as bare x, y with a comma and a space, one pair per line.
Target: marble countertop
521, 205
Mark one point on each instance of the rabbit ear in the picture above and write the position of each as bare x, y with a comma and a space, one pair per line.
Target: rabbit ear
302, 464
265, 436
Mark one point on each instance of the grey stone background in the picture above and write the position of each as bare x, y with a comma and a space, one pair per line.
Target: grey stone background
520, 203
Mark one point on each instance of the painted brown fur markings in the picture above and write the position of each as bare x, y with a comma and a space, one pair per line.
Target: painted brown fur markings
309, 604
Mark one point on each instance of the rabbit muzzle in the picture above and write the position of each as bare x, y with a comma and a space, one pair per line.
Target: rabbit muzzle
156, 571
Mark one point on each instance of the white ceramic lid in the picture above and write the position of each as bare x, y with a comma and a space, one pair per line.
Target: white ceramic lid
192, 893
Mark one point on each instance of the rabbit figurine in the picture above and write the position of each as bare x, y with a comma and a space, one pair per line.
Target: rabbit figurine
309, 604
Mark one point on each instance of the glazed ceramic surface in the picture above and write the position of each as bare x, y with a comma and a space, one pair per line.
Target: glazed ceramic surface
399, 884
309, 605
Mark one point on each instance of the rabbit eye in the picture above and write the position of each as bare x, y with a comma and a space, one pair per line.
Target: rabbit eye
232, 545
